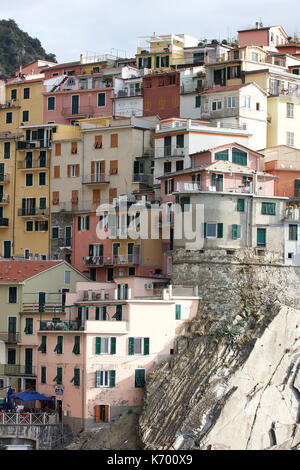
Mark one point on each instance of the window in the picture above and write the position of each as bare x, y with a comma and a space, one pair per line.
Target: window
257, 106
76, 347
290, 110
42, 159
8, 118
178, 312
216, 105
293, 232
236, 231
101, 99
73, 171
43, 202
222, 155
55, 232
212, 230
73, 148
26, 93
261, 237
76, 377
51, 103
25, 116
67, 277
138, 346
105, 345
55, 198
105, 378
28, 326
231, 102
6, 149
114, 140
169, 186
59, 376
268, 208
42, 179
57, 150
241, 205
113, 169
43, 346
13, 95
239, 156
139, 378
185, 203
290, 138
180, 141
43, 375
83, 223
198, 101
41, 225
179, 165
12, 295
246, 102
29, 179
59, 345
11, 356
98, 142
29, 226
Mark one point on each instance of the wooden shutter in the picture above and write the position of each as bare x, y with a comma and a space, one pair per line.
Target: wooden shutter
57, 171
57, 150
96, 196
55, 197
102, 167
69, 170
113, 170
113, 345
97, 411
146, 346
114, 140
73, 147
74, 195
112, 194
98, 142
112, 378
178, 312
204, 230
87, 222
77, 170
92, 168
98, 345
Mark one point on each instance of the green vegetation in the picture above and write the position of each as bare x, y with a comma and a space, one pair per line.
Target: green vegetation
18, 48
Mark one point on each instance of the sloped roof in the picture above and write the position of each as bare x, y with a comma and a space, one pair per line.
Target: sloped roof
15, 271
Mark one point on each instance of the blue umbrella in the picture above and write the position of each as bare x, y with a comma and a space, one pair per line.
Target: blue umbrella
31, 395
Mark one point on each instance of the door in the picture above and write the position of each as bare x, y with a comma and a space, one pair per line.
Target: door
130, 248
104, 413
59, 410
7, 249
167, 146
12, 329
110, 274
28, 361
261, 237
116, 247
75, 104
63, 297
42, 301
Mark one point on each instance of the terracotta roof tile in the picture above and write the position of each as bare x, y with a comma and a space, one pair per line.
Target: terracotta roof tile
19, 271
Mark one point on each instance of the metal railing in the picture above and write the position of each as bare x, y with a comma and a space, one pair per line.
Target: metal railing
30, 211
195, 187
9, 337
18, 369
53, 308
4, 178
4, 198
10, 104
140, 178
80, 111
95, 178
36, 163
168, 151
36, 419
68, 325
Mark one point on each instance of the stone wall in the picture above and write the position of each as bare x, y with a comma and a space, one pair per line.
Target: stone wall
233, 382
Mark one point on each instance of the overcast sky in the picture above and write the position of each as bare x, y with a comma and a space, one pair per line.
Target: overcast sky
69, 28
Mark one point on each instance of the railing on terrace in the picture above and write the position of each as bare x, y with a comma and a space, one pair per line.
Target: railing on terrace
74, 206
30, 211
4, 198
95, 178
81, 111
9, 337
10, 104
128, 93
31, 419
52, 308
36, 163
141, 178
66, 325
194, 187
18, 369
33, 144
291, 214
110, 260
168, 151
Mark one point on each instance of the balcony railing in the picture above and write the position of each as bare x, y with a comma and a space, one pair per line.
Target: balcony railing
111, 260
37, 163
9, 337
4, 222
32, 211
81, 111
35, 419
95, 178
70, 325
33, 144
4, 198
10, 104
62, 242
4, 178
141, 178
168, 151
291, 214
53, 308
195, 187
18, 369
127, 93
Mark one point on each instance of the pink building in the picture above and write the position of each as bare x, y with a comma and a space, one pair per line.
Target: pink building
262, 36
100, 354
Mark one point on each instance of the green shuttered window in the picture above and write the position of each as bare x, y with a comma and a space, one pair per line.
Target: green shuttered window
139, 378
268, 208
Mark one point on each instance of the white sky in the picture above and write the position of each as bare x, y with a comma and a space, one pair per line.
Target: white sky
68, 28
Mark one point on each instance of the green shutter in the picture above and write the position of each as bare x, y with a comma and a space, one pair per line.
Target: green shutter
220, 231
234, 232
98, 345
185, 201
268, 208
59, 375
223, 155
112, 378
79, 223
6, 149
157, 61
241, 205
131, 346
178, 312
76, 348
146, 346
167, 61
204, 230
43, 374
87, 222
98, 378
28, 326
42, 346
101, 99
76, 377
214, 179
113, 344
198, 101
59, 346
140, 63
139, 378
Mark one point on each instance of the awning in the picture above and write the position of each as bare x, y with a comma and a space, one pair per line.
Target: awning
31, 395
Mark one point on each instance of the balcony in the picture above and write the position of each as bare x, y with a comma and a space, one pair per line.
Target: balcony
36, 164
10, 104
143, 179
170, 152
33, 144
8, 337
95, 178
69, 325
32, 212
4, 222
195, 188
76, 206
62, 242
4, 178
82, 111
128, 93
49, 308
111, 260
4, 198
291, 214
18, 369
31, 419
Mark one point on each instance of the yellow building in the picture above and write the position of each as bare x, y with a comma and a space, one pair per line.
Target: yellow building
162, 51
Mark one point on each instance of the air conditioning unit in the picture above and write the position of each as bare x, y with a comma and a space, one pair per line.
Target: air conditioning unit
149, 286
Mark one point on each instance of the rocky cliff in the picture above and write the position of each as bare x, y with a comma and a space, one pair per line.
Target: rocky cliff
234, 380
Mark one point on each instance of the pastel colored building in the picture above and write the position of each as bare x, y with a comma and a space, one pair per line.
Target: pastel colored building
268, 37
161, 94
108, 343
28, 290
